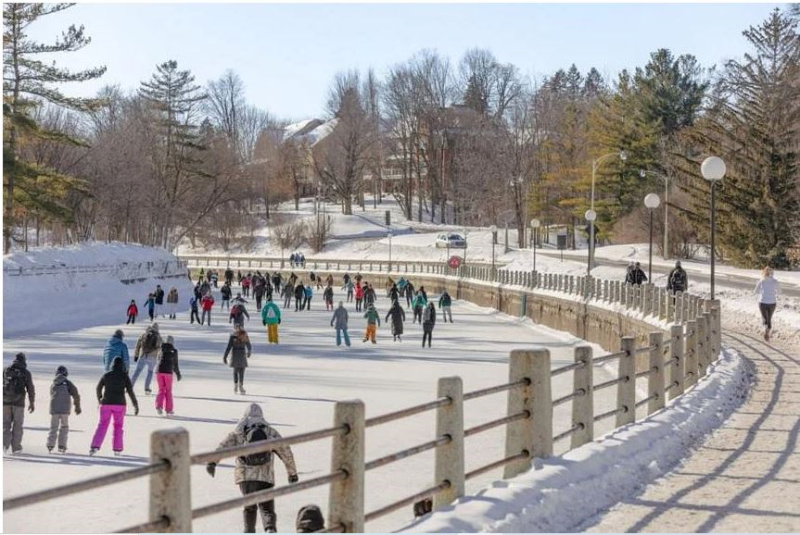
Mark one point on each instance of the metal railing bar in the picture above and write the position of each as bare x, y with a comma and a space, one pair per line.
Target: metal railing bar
605, 415
408, 452
148, 527
646, 400
497, 464
81, 486
495, 389
568, 368
569, 432
427, 493
610, 356
610, 382
578, 393
670, 387
644, 373
266, 445
645, 349
266, 495
495, 423
671, 360
403, 413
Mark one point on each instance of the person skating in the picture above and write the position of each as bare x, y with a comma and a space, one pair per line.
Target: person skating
205, 289
288, 294
239, 349
207, 304
359, 296
369, 295
256, 472
159, 301
63, 394
116, 348
238, 314
17, 382
309, 294
276, 282
229, 276
767, 290
299, 296
327, 295
373, 322
428, 322
246, 281
424, 293
445, 301
293, 278
345, 279
111, 392
225, 296
166, 366
349, 287
197, 293
420, 302
329, 280
401, 286
258, 292
394, 293
409, 294
358, 277
194, 304
677, 280
339, 322
145, 355
214, 278
172, 303
309, 520
271, 318
398, 316
150, 304
132, 312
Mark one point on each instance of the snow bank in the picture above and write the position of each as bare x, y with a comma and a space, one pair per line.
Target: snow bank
562, 494
60, 289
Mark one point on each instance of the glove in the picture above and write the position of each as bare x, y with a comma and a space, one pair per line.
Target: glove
225, 360
77, 410
135, 359
179, 377
248, 355
211, 468
279, 322
30, 409
264, 323
136, 410
293, 479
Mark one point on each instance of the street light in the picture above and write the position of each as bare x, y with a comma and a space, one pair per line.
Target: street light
389, 235
590, 216
493, 230
535, 224
651, 201
595, 164
643, 173
713, 169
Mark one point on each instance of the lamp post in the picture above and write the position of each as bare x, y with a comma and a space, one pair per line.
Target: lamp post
535, 224
595, 164
389, 235
643, 173
590, 216
493, 230
713, 169
651, 201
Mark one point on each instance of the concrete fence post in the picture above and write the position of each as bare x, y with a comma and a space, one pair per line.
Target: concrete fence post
647, 302
534, 434
715, 328
677, 366
655, 381
679, 307
669, 308
626, 389
629, 293
705, 359
691, 349
605, 290
583, 405
171, 490
450, 457
346, 496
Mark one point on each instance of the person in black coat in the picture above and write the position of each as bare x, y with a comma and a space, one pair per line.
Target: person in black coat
428, 321
299, 296
394, 293
239, 349
17, 381
111, 395
398, 316
166, 366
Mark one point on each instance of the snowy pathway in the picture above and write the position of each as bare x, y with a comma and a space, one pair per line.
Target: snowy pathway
297, 383
745, 477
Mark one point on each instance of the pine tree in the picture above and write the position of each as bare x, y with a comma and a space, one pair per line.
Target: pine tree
475, 98
27, 84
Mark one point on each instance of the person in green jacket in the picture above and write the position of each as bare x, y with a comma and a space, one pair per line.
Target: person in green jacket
444, 303
419, 305
373, 321
271, 317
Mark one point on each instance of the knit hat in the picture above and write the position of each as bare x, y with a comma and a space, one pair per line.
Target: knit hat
62, 370
309, 520
170, 340
119, 334
154, 326
20, 358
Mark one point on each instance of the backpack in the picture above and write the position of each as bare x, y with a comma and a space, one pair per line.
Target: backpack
150, 341
235, 311
13, 383
252, 435
679, 279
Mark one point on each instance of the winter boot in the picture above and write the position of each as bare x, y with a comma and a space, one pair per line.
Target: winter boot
235, 388
49, 449
117, 453
170, 413
159, 411
62, 450
241, 390
148, 392
92, 451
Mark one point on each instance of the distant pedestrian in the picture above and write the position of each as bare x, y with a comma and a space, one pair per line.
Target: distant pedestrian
767, 290
239, 349
159, 300
17, 382
238, 314
349, 288
420, 302
116, 348
194, 304
225, 296
166, 366
207, 304
111, 396
150, 304
327, 295
428, 322
359, 296
288, 294
445, 301
172, 303
309, 294
133, 311
409, 294
398, 316
145, 355
369, 295
373, 322
62, 396
299, 296
339, 322
677, 280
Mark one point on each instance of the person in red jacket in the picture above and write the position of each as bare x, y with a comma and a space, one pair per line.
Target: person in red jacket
133, 311
207, 303
359, 296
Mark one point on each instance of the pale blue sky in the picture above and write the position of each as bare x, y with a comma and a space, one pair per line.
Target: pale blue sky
286, 54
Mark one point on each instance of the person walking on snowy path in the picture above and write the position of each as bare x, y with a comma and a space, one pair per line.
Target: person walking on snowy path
398, 316
172, 303
327, 295
147, 346
271, 318
133, 311
111, 396
767, 290
445, 301
17, 381
373, 321
339, 322
256, 472
115, 347
166, 365
359, 296
420, 302
239, 349
159, 301
207, 304
225, 297
62, 395
636, 276
194, 303
428, 322
309, 293
150, 304
677, 280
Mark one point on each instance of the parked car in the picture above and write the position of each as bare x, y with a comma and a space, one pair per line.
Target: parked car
451, 240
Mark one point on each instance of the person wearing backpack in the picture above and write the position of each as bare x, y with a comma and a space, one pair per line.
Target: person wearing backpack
147, 347
677, 280
166, 365
172, 303
339, 322
373, 321
116, 347
256, 472
398, 316
420, 302
206, 303
239, 349
111, 396
428, 322
133, 311
62, 395
238, 314
327, 295
17, 381
271, 318
309, 520
445, 301
225, 292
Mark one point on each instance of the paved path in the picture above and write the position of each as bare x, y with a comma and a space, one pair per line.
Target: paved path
745, 477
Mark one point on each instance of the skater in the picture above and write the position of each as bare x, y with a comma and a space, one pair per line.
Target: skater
62, 396
292, 258
423, 292
309, 293
194, 303
767, 290
373, 322
151, 306
677, 280
394, 293
238, 314
409, 294
147, 346
225, 296
348, 287
345, 279
299, 296
116, 348
276, 282
258, 292
428, 322
207, 304
159, 299
327, 295
166, 365
239, 349
358, 278
309, 520
359, 296
419, 305
17, 381
444, 303
329, 280
111, 396
197, 293
228, 276
339, 322
288, 294
401, 286
271, 318
246, 285
256, 472
172, 303
205, 289
133, 311
369, 295
398, 316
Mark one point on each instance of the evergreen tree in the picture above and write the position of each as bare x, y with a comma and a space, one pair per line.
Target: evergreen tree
475, 98
27, 84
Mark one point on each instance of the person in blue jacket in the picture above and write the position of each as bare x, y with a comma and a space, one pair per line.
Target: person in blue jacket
116, 348
309, 293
